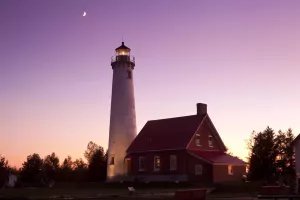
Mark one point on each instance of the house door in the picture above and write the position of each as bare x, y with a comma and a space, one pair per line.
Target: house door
128, 166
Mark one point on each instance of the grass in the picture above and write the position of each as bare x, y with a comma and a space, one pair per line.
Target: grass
245, 188
113, 190
85, 190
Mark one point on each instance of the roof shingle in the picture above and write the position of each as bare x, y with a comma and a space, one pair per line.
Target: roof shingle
218, 157
163, 134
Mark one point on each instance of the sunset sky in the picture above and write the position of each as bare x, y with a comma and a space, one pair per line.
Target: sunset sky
242, 58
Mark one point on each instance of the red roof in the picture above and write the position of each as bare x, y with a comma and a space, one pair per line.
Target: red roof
163, 134
217, 157
297, 138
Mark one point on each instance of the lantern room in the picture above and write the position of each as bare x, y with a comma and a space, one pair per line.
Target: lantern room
122, 50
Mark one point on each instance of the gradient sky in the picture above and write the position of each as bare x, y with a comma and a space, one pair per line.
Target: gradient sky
239, 57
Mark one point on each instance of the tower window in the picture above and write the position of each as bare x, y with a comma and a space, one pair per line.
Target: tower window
112, 160
129, 75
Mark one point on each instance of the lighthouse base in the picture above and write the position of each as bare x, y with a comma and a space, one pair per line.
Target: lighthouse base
119, 179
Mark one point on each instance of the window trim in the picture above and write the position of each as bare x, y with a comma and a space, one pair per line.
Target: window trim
230, 170
140, 159
173, 167
112, 160
129, 74
197, 169
210, 142
198, 144
154, 163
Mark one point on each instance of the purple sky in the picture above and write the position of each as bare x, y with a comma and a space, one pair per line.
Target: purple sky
239, 57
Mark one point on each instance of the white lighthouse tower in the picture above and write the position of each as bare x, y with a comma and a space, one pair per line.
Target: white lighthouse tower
122, 130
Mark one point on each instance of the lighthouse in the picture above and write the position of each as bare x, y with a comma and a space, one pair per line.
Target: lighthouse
122, 130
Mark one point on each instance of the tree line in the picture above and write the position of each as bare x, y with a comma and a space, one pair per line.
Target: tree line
272, 157
36, 169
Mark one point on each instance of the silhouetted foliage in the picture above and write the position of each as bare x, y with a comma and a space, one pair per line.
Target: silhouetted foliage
80, 170
3, 170
66, 170
35, 170
96, 162
51, 166
90, 151
286, 156
32, 169
271, 156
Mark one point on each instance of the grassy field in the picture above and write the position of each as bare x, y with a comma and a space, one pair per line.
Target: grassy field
88, 190
113, 191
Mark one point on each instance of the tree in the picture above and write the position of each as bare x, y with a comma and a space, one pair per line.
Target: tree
67, 164
3, 170
80, 170
66, 170
97, 166
285, 160
51, 166
3, 163
31, 168
91, 150
263, 153
79, 164
96, 158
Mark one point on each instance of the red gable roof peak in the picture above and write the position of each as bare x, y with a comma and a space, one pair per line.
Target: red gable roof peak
166, 134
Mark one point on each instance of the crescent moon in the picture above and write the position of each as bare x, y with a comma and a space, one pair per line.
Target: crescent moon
84, 14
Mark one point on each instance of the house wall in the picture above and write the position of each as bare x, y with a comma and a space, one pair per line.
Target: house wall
164, 160
207, 170
220, 173
204, 131
185, 167
297, 156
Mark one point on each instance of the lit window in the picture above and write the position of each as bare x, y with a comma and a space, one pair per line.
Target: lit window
129, 74
142, 163
112, 160
210, 141
156, 163
198, 169
230, 170
173, 162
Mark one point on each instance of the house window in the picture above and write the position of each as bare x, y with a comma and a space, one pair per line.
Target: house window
198, 169
142, 164
112, 160
156, 163
210, 141
230, 170
129, 74
197, 142
173, 162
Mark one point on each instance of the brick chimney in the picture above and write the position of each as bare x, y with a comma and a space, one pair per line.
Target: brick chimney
201, 109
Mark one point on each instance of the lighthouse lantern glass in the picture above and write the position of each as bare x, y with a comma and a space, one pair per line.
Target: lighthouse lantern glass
123, 52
